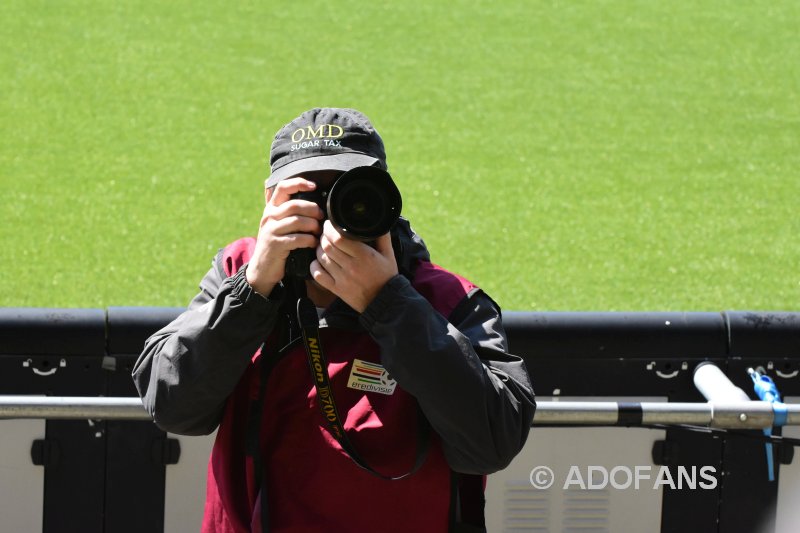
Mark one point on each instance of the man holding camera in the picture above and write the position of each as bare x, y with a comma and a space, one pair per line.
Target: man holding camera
354, 385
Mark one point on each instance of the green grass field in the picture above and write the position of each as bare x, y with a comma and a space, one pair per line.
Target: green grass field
603, 155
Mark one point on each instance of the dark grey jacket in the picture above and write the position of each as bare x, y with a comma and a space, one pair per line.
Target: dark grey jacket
476, 396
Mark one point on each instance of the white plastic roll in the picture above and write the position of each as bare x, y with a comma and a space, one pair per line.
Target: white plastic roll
715, 385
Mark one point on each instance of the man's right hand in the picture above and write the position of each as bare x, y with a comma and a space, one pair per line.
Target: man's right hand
286, 224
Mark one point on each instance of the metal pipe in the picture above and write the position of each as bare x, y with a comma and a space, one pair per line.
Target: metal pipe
72, 408
730, 415
694, 414
744, 415
565, 413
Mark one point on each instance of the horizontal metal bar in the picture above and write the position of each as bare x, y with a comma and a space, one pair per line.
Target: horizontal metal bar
732, 415
72, 408
729, 415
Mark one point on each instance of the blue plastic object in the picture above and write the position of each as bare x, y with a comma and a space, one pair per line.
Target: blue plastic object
767, 391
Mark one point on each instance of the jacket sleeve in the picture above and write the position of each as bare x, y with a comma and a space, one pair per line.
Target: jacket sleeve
189, 368
477, 397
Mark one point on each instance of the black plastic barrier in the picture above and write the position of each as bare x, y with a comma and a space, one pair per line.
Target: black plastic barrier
95, 471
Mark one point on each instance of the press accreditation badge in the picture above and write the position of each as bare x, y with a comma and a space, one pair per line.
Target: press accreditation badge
370, 377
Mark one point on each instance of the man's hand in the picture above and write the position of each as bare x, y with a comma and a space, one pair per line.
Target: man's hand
286, 224
352, 270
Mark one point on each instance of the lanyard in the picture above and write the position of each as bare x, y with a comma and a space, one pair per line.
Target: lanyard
309, 326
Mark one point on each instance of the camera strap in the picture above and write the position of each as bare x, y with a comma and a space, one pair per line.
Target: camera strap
309, 326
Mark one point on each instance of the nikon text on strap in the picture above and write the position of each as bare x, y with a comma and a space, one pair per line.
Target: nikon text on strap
309, 326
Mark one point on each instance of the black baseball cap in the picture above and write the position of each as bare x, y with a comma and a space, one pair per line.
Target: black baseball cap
326, 138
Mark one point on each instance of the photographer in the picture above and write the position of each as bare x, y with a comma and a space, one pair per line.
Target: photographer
354, 385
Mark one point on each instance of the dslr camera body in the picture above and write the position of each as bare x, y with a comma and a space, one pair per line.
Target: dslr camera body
362, 204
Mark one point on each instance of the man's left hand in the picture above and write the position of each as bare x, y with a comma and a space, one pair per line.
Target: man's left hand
353, 270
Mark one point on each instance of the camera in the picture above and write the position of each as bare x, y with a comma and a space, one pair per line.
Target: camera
362, 204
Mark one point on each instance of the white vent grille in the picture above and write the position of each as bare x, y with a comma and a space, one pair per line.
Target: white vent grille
526, 509
586, 511
513, 504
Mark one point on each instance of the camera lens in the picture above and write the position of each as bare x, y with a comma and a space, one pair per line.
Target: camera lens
361, 207
364, 203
